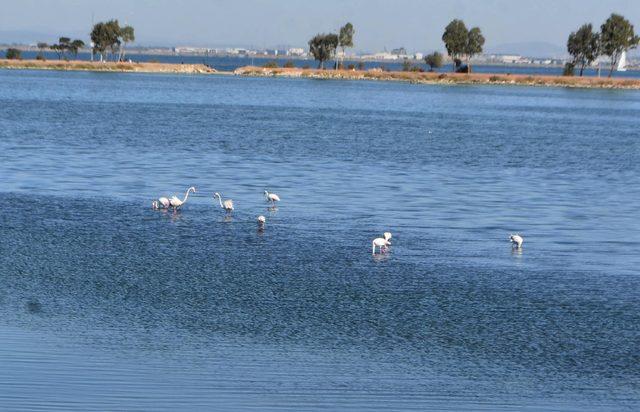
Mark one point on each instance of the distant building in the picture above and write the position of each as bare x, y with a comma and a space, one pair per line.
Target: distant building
513, 59
418, 56
381, 56
190, 50
400, 51
296, 51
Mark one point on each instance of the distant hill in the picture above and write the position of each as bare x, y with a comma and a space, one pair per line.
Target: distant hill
530, 49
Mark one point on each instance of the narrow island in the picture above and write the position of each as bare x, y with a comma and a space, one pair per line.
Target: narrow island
105, 66
372, 74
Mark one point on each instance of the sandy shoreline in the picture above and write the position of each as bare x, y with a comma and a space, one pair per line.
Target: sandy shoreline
78, 65
445, 78
252, 71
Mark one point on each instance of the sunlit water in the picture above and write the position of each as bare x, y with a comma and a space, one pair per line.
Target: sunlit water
106, 304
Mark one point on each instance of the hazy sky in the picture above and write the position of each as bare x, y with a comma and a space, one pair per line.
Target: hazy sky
415, 24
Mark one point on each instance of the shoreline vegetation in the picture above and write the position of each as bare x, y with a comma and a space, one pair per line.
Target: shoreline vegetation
372, 74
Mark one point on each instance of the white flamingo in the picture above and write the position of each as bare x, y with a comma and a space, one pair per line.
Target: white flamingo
227, 205
381, 243
516, 241
272, 197
162, 202
177, 203
261, 221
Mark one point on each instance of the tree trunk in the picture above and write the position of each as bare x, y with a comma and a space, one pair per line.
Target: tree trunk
581, 69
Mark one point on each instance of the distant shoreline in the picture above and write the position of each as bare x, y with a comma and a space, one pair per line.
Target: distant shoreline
378, 75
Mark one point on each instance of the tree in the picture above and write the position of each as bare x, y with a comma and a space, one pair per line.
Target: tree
461, 42
61, 47
127, 35
455, 39
568, 69
74, 46
475, 41
41, 47
323, 47
584, 46
434, 60
616, 36
13, 54
345, 38
105, 37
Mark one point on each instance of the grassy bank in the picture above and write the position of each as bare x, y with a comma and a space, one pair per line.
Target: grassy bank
78, 65
445, 78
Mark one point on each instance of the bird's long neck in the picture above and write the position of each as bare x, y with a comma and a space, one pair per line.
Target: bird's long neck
220, 200
186, 195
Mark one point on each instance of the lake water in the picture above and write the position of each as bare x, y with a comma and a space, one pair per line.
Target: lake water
106, 304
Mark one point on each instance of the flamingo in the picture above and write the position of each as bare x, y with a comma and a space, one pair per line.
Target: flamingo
387, 236
176, 203
261, 221
227, 205
162, 202
380, 242
516, 241
272, 197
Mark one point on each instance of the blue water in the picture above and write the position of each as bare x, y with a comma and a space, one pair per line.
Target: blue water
106, 304
230, 63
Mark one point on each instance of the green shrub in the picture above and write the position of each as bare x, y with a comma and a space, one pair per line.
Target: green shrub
568, 69
272, 64
13, 54
289, 64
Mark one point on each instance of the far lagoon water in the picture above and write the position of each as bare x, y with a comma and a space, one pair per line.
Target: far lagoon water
106, 304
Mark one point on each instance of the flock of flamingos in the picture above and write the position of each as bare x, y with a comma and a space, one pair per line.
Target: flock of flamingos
380, 244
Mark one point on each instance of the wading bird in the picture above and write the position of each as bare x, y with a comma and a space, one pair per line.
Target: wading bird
516, 241
272, 197
227, 205
161, 203
261, 221
177, 203
381, 243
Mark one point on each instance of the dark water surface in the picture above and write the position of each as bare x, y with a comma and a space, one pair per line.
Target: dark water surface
108, 305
